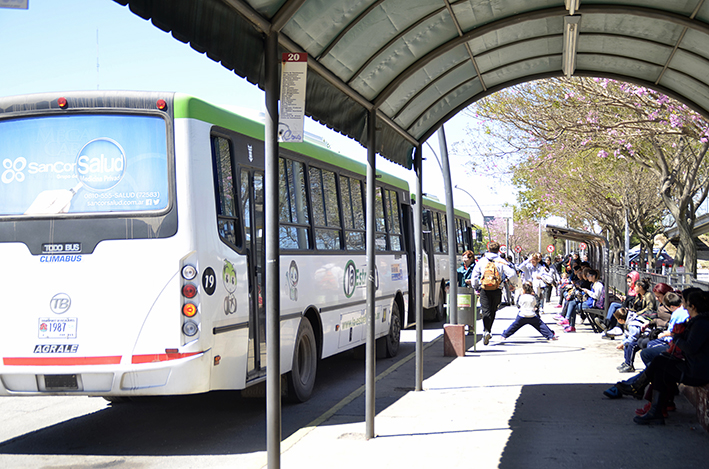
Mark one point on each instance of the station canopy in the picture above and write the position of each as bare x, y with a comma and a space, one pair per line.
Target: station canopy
417, 63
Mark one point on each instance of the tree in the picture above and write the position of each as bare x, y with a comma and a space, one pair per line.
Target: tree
606, 123
525, 234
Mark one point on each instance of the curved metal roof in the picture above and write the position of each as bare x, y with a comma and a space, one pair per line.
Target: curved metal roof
419, 62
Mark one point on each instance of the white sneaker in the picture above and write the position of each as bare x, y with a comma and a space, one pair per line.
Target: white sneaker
486, 338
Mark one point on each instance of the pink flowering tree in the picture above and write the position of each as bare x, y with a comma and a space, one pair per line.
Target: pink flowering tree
594, 149
525, 234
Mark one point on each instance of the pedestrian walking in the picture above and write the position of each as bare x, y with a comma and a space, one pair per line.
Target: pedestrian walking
489, 275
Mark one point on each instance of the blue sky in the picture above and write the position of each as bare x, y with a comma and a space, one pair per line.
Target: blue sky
53, 46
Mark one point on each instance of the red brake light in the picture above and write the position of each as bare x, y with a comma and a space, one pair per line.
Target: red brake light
189, 290
62, 102
161, 104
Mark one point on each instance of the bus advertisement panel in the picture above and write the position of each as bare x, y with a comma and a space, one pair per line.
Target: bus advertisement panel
83, 164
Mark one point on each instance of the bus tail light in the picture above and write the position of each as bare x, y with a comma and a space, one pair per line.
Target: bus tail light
189, 290
62, 102
190, 300
161, 104
189, 272
189, 310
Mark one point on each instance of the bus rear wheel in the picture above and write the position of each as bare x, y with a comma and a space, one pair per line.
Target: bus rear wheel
301, 378
389, 344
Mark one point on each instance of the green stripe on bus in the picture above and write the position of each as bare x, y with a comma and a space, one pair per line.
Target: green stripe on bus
186, 106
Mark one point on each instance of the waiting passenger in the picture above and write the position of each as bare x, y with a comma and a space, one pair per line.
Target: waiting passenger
610, 322
593, 299
686, 362
632, 324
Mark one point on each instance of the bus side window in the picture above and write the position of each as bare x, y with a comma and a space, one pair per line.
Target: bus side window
294, 231
352, 213
444, 233
227, 221
326, 213
392, 207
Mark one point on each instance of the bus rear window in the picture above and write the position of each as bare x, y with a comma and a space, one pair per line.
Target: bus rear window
83, 164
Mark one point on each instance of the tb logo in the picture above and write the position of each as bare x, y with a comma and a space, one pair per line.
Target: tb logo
60, 303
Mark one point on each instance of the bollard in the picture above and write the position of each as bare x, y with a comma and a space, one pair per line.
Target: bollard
467, 316
454, 340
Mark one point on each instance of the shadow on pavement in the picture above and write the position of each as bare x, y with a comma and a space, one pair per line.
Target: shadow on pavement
573, 425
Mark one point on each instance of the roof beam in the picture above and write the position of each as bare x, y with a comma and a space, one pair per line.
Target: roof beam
679, 41
467, 46
284, 14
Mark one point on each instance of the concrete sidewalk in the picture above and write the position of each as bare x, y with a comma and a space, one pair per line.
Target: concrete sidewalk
522, 403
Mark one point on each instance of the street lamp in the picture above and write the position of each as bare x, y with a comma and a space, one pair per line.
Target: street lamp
481, 211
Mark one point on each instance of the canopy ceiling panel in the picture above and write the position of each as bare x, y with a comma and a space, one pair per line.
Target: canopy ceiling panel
458, 97
427, 76
496, 57
687, 86
416, 63
625, 46
506, 39
431, 95
692, 66
619, 65
518, 70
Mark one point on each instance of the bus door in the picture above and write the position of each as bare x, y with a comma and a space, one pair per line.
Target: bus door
429, 281
252, 200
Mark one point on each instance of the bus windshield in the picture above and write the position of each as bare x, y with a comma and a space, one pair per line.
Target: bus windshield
83, 164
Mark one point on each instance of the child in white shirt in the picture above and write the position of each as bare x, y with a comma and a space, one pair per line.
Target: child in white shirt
527, 304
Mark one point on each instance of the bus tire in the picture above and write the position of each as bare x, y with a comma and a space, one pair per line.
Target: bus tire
117, 399
301, 378
389, 344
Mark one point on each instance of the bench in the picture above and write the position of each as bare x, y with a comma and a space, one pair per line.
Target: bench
592, 314
698, 396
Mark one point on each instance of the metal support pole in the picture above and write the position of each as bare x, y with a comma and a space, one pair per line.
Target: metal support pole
273, 322
370, 361
481, 211
626, 256
540, 235
450, 218
418, 246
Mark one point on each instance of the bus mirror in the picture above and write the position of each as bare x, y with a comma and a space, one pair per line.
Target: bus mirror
427, 219
478, 235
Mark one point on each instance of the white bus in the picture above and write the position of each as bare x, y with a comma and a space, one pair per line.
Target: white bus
132, 240
436, 264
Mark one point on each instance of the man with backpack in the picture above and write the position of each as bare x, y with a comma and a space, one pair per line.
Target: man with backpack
489, 275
